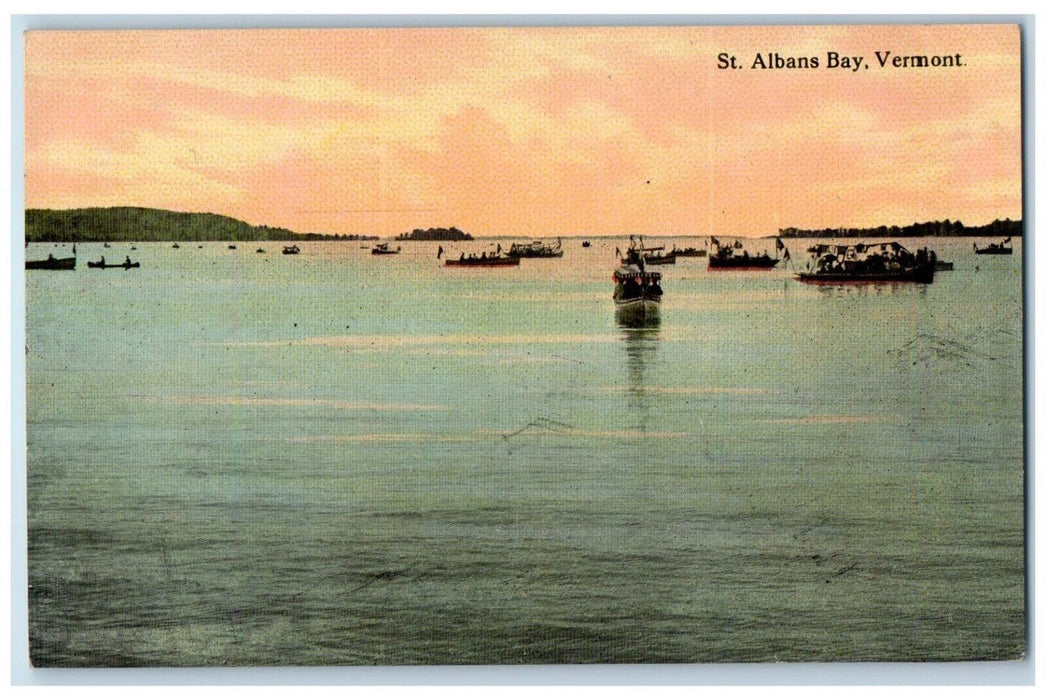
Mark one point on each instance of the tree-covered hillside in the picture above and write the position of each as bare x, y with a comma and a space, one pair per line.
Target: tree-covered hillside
141, 224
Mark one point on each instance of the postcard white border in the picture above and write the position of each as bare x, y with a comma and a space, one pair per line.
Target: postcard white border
798, 674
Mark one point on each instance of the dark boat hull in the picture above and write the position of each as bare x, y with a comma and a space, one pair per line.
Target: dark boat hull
923, 275
646, 300
660, 259
53, 264
994, 251
536, 255
637, 312
488, 262
384, 252
741, 263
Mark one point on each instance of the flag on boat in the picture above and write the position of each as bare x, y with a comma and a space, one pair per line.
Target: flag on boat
739, 244
786, 256
780, 245
439, 254
715, 241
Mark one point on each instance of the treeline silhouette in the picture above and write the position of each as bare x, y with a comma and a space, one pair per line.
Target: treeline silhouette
435, 234
999, 227
145, 224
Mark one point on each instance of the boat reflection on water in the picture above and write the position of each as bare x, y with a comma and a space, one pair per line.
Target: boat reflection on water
641, 334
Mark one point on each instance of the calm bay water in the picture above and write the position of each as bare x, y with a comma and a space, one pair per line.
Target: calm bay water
338, 458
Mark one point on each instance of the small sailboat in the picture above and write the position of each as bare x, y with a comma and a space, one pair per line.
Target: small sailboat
383, 249
995, 248
726, 257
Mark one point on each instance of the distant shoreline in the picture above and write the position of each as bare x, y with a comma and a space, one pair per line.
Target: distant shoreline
141, 224
1000, 228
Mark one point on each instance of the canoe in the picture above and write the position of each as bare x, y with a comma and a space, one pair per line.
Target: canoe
106, 266
483, 262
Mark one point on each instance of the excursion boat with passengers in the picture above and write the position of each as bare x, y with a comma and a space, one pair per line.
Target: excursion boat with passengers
657, 256
868, 264
637, 290
536, 249
689, 252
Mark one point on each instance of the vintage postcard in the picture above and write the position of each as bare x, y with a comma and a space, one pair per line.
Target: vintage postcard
524, 345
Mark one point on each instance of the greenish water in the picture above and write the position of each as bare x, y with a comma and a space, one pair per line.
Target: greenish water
337, 458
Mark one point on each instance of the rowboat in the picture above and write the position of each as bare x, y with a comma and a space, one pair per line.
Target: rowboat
52, 263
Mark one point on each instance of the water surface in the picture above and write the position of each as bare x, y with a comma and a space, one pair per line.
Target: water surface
337, 458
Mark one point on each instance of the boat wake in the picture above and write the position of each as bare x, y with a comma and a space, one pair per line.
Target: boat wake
937, 349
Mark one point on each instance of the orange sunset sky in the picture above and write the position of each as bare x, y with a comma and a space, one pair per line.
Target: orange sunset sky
527, 131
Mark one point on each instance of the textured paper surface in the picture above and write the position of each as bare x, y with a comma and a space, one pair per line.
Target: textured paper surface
241, 457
